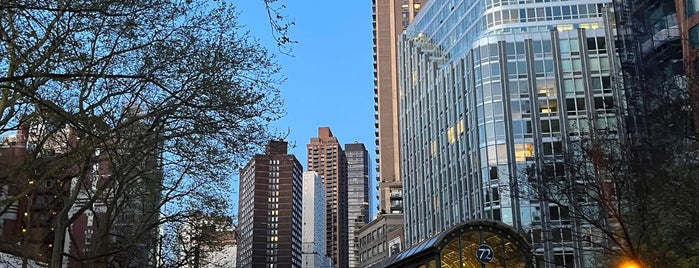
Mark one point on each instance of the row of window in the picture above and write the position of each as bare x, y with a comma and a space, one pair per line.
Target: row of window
373, 251
540, 48
374, 235
520, 15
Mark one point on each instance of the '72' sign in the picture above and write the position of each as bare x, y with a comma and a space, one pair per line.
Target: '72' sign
484, 253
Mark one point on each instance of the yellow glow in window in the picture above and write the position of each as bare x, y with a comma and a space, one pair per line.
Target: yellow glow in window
593, 25
522, 151
564, 27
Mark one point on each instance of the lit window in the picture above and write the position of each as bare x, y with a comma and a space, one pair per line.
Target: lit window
564, 27
522, 151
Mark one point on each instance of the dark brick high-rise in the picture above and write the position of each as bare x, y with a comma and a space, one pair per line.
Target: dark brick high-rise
269, 214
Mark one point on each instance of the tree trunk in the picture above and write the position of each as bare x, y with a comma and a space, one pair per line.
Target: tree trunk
60, 230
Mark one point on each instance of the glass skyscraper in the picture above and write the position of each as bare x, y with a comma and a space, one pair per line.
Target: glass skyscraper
358, 212
491, 96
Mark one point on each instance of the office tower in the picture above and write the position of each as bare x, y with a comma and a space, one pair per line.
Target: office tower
390, 18
357, 195
313, 218
269, 215
491, 94
326, 157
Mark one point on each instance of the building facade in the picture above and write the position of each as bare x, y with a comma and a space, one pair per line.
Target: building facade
41, 169
25, 221
380, 239
391, 17
492, 94
659, 57
206, 241
358, 208
269, 215
326, 157
687, 12
227, 253
313, 218
651, 54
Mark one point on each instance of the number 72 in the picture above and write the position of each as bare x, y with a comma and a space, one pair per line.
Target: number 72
485, 254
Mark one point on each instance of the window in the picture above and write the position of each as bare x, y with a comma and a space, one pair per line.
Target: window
89, 218
88, 236
694, 36
595, 64
523, 151
692, 6
493, 173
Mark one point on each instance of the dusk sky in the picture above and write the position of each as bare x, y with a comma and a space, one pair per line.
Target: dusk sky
329, 72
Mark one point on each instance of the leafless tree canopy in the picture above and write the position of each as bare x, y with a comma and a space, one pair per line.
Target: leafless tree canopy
635, 194
141, 108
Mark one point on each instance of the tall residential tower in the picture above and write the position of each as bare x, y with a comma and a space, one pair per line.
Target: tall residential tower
326, 157
390, 19
269, 217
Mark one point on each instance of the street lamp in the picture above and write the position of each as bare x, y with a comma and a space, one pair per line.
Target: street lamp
629, 263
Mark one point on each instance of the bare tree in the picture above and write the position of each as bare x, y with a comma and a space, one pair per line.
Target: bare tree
139, 111
631, 195
279, 23
199, 238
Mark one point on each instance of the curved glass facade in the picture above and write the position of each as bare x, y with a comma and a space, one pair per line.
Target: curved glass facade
453, 26
486, 110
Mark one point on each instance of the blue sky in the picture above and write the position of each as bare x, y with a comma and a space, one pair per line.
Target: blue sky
329, 72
